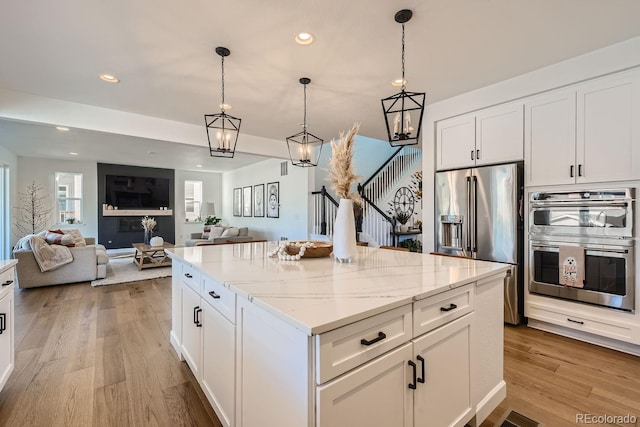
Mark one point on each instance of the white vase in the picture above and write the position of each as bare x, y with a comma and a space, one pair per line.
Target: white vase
404, 228
344, 233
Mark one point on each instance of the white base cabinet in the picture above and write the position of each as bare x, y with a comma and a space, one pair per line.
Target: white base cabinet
191, 329
7, 351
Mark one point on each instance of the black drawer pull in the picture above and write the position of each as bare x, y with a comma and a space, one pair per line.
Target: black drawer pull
198, 311
214, 295
3, 322
7, 283
188, 276
451, 307
579, 322
571, 171
421, 359
412, 385
380, 337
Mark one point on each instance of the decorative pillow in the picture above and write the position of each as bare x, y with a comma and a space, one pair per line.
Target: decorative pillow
243, 231
216, 232
78, 240
56, 237
230, 232
205, 232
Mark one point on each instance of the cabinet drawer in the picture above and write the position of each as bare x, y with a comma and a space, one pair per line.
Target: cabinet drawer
352, 345
437, 310
581, 323
191, 277
220, 298
6, 280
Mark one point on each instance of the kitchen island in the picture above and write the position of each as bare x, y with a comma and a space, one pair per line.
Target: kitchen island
391, 339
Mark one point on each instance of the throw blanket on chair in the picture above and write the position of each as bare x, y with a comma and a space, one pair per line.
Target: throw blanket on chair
49, 257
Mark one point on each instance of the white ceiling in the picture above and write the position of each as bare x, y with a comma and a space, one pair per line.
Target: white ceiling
163, 52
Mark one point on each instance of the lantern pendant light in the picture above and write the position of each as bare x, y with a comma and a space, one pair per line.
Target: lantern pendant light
403, 111
222, 129
304, 147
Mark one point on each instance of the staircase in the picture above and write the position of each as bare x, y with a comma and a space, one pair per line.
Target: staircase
377, 223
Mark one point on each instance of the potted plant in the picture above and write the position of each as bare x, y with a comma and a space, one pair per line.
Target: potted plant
413, 245
402, 218
211, 220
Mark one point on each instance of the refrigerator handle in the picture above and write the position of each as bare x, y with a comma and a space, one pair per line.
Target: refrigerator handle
468, 219
474, 235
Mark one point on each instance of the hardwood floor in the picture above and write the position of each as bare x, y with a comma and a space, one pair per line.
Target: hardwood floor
101, 356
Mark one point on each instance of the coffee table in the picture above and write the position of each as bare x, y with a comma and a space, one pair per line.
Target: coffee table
147, 256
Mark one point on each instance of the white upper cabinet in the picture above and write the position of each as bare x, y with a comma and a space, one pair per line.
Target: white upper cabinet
586, 133
499, 134
608, 121
456, 142
550, 139
492, 135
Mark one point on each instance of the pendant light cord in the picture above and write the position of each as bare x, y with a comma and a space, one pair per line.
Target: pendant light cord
304, 120
403, 80
222, 105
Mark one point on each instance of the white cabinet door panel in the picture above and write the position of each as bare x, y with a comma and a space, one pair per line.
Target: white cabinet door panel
191, 333
6, 338
499, 134
456, 142
375, 394
550, 139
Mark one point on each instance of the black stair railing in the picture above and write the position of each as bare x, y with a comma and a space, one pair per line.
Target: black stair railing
323, 207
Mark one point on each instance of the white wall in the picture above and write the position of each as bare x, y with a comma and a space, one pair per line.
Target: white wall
295, 187
11, 160
600, 62
43, 172
211, 192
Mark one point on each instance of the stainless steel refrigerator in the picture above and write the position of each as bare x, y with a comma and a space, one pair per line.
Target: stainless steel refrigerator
478, 214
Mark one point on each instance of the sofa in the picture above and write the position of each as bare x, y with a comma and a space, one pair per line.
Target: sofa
89, 263
217, 235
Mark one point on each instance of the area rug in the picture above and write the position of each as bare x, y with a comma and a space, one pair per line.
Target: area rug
123, 270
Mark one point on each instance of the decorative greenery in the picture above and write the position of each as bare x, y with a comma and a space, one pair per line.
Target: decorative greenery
148, 223
413, 245
34, 213
341, 173
403, 217
416, 184
211, 220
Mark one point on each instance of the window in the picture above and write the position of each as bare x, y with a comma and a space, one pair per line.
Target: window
69, 194
192, 200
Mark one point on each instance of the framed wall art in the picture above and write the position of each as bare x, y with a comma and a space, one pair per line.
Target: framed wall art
258, 200
247, 200
273, 200
237, 201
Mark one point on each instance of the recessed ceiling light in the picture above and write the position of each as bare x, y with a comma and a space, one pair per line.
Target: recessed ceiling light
304, 38
73, 153
109, 78
198, 166
225, 107
62, 128
399, 82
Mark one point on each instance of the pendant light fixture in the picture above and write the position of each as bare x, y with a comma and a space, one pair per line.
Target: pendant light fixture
222, 129
304, 147
403, 109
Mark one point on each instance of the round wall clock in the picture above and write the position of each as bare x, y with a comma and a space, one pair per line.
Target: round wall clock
404, 201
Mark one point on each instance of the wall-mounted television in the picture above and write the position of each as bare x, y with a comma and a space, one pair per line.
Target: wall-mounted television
137, 192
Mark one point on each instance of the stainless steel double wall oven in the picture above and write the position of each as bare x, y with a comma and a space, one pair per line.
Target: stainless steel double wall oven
599, 221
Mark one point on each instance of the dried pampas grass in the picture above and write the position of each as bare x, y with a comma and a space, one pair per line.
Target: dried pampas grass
341, 172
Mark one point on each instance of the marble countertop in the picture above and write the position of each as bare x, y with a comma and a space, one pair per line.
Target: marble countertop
319, 294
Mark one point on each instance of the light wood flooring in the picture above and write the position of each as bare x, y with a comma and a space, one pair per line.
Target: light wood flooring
101, 357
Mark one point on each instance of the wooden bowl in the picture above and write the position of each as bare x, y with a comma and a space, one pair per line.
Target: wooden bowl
322, 249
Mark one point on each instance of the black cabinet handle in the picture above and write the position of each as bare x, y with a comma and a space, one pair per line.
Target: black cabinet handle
471, 154
3, 322
451, 307
421, 359
214, 295
477, 154
188, 276
579, 170
580, 322
380, 337
197, 312
7, 283
412, 385
571, 171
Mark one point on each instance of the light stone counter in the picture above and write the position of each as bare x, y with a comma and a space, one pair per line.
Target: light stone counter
319, 294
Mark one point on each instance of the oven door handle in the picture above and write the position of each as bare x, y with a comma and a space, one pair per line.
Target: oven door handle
591, 250
573, 203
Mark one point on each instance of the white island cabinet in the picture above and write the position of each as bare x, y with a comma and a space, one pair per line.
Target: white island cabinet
391, 339
7, 278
